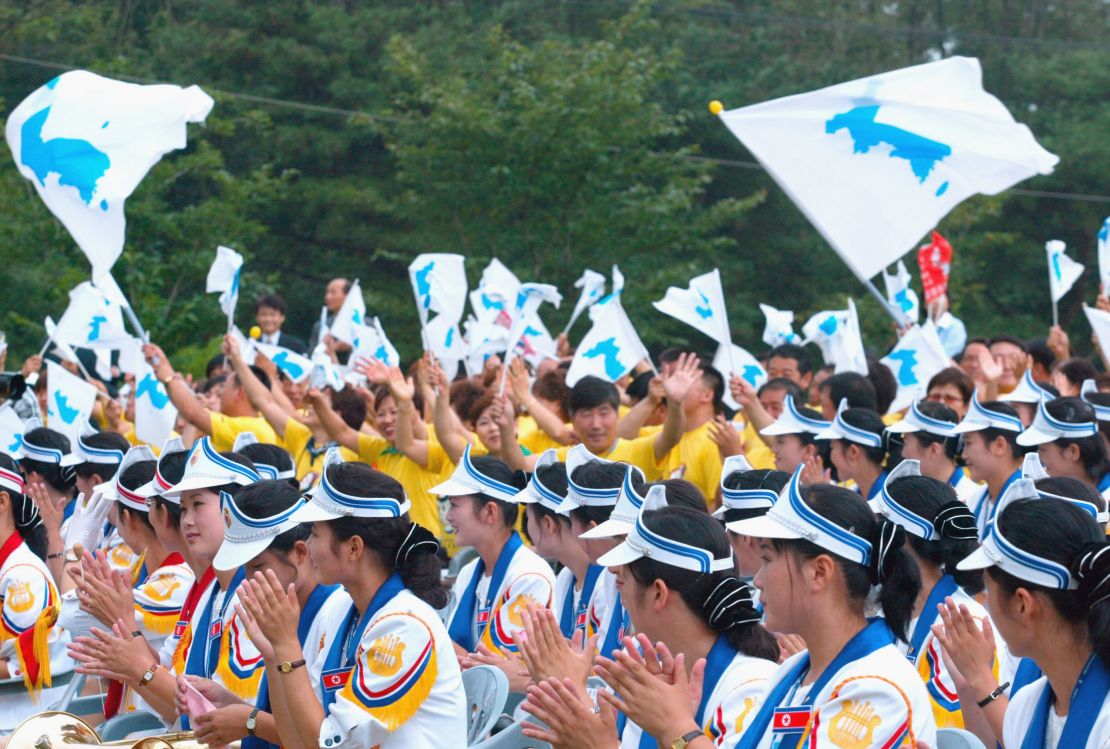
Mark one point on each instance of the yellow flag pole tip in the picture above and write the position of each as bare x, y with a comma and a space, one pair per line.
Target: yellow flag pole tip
256, 332
716, 107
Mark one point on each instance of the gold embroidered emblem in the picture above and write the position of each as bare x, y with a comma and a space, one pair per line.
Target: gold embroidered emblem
162, 587
517, 609
20, 597
384, 655
854, 726
749, 703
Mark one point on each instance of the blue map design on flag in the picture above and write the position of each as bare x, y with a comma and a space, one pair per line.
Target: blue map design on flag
66, 411
922, 153
148, 386
829, 326
903, 299
77, 163
450, 338
705, 312
17, 443
751, 374
609, 350
532, 331
382, 355
94, 327
1056, 266
907, 361
489, 303
423, 287
282, 361
1104, 232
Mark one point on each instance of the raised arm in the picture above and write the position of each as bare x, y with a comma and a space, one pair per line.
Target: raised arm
546, 419
449, 430
259, 396
502, 414
402, 390
332, 422
181, 395
631, 423
676, 385
743, 393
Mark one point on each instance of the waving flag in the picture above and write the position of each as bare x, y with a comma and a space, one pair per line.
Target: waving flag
875, 163
69, 401
91, 320
837, 334
592, 285
1100, 326
1104, 255
439, 283
1063, 272
295, 366
701, 305
935, 261
64, 350
610, 350
86, 142
900, 294
526, 312
484, 338
914, 360
351, 317
779, 326
373, 344
740, 363
495, 295
446, 344
155, 415
223, 277
11, 432
598, 309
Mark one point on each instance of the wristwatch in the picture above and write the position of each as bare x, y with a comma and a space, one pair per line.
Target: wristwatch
286, 667
251, 722
684, 739
148, 676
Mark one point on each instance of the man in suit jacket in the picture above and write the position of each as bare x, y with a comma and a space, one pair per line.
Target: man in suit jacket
269, 313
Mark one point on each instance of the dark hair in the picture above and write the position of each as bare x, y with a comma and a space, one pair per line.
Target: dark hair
1069, 488
219, 361
1065, 534
595, 474
60, 478
709, 595
760, 478
591, 392
1100, 398
791, 388
480, 405
637, 390
204, 387
385, 537
868, 421
1092, 450
672, 354
957, 378
276, 457
264, 499
713, 380
890, 564
172, 468
233, 488
260, 374
990, 434
1077, 369
499, 470
682, 493
853, 387
25, 514
463, 394
552, 386
1041, 353
347, 284
1013, 340
553, 477
927, 498
882, 379
936, 410
350, 406
135, 475
106, 441
271, 301
797, 353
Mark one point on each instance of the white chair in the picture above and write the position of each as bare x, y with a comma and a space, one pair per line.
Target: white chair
957, 738
513, 738
486, 690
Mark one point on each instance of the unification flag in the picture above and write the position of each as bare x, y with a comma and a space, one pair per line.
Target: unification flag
69, 401
779, 326
836, 333
495, 295
900, 294
295, 366
1100, 326
92, 320
598, 309
373, 344
592, 285
739, 363
526, 311
11, 432
155, 415
350, 317
877, 162
439, 284
701, 305
1063, 272
610, 350
914, 360
223, 277
1104, 255
934, 259
65, 351
86, 142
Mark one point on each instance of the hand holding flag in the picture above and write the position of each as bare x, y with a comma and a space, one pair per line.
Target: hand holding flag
223, 277
1063, 272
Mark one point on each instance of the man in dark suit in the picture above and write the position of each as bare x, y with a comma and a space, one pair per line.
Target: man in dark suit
269, 313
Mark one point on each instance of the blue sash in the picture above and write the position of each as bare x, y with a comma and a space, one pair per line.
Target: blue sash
872, 637
1104, 483
204, 650
460, 628
987, 500
341, 656
945, 587
1027, 672
573, 618
956, 477
876, 487
618, 626
1086, 705
311, 608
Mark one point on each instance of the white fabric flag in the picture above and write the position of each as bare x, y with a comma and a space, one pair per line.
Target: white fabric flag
69, 401
592, 285
526, 311
86, 142
537, 342
900, 294
741, 364
373, 344
439, 284
495, 294
701, 305
598, 309
914, 360
837, 334
779, 326
1104, 255
446, 344
351, 317
610, 350
1100, 325
11, 432
223, 277
484, 338
295, 366
65, 351
131, 358
155, 415
1063, 272
92, 320
875, 163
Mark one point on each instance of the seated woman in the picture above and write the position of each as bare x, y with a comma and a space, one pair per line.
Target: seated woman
791, 436
389, 677
857, 448
1065, 433
928, 438
747, 493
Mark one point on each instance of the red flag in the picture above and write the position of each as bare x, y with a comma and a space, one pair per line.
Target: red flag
935, 261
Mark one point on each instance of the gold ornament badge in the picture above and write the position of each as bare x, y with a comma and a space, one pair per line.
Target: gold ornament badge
384, 656
854, 726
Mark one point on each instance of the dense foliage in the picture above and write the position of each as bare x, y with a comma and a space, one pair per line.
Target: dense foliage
348, 137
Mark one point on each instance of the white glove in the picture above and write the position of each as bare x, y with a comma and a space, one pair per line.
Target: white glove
87, 523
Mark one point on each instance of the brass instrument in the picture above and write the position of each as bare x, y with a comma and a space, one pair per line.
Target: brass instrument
57, 730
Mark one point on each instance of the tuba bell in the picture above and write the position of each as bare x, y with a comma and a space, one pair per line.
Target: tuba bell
57, 730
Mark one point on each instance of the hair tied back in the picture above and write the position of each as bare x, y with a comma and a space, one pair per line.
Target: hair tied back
419, 540
955, 520
886, 540
730, 605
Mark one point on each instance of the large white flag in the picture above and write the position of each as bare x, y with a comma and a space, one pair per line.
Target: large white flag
155, 415
1104, 255
223, 277
526, 311
739, 363
91, 320
1063, 272
914, 360
373, 344
876, 163
64, 350
86, 142
446, 344
295, 366
11, 432
610, 350
351, 317
439, 284
484, 338
836, 333
900, 294
779, 326
701, 305
592, 285
69, 401
495, 294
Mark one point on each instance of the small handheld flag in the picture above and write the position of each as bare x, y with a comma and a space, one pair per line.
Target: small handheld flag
350, 317
610, 350
900, 294
223, 277
592, 285
1104, 255
69, 401
1063, 272
837, 334
779, 326
155, 415
913, 361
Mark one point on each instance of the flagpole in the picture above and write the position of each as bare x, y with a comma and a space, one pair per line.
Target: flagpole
1055, 313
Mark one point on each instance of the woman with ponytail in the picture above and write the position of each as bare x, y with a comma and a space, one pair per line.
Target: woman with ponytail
858, 447
1065, 433
1047, 568
824, 552
677, 580
388, 676
941, 531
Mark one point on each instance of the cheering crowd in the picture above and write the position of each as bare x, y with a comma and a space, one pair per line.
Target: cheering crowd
315, 565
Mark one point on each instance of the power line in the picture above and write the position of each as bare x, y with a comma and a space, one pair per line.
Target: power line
349, 113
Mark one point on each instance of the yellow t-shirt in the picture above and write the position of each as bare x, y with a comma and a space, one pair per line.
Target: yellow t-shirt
296, 443
226, 428
757, 451
696, 459
530, 435
640, 452
383, 456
